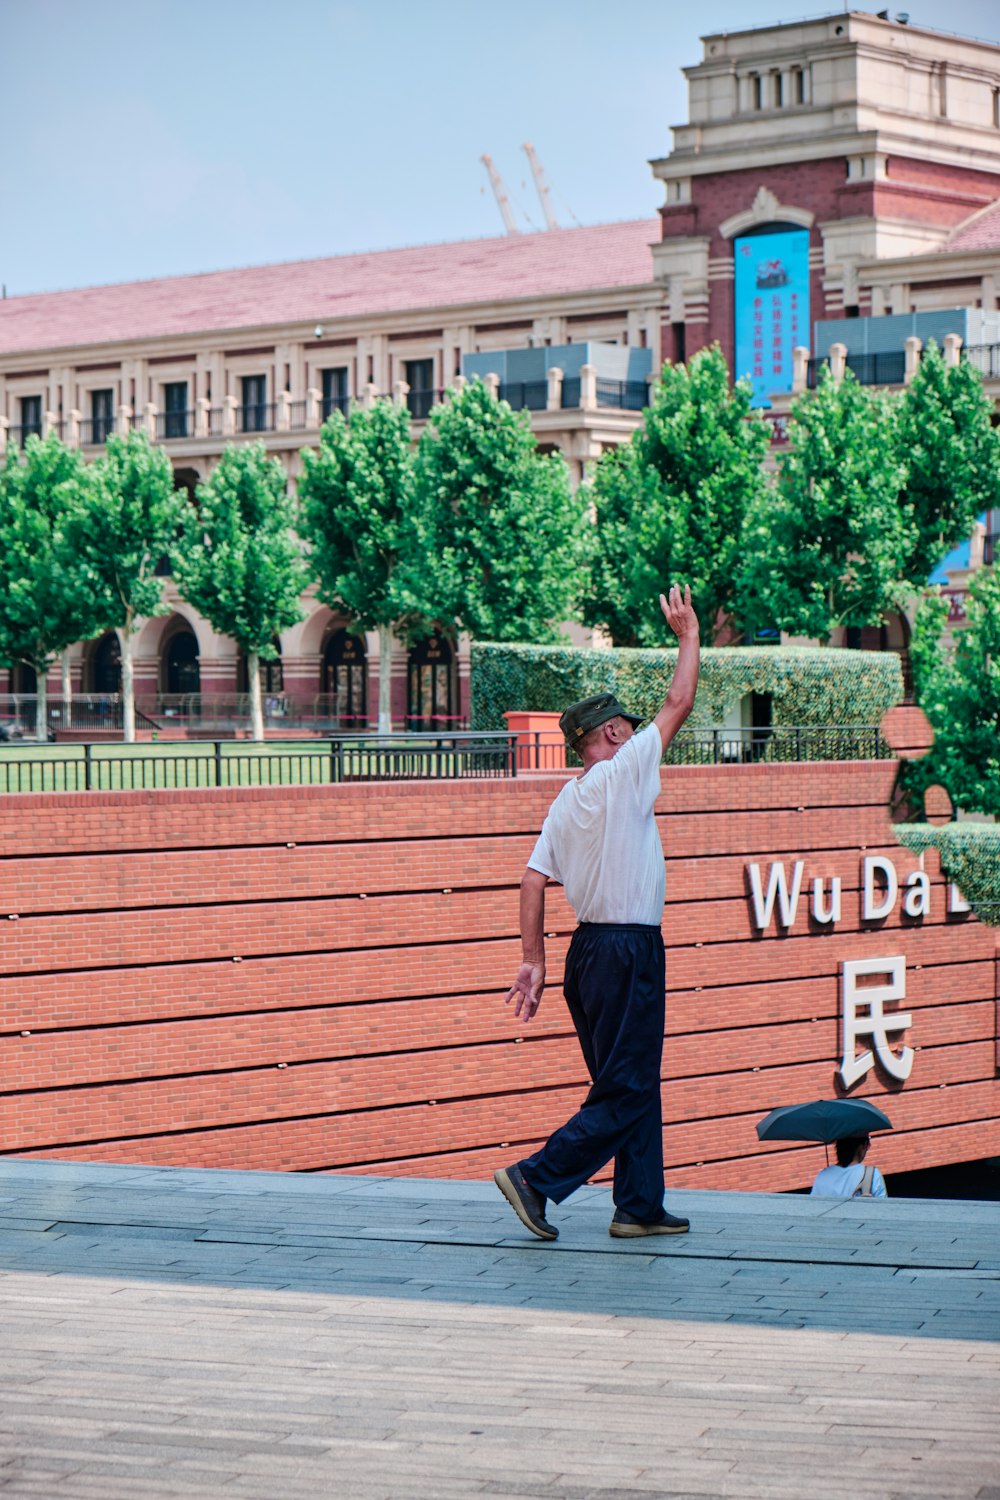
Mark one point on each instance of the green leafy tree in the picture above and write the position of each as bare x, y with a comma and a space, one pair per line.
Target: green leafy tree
958, 687
672, 503
952, 455
358, 503
129, 520
824, 546
240, 562
505, 538
48, 597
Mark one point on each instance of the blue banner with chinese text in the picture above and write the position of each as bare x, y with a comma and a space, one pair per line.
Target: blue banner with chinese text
772, 308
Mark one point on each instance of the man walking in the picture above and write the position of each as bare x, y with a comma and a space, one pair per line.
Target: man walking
600, 842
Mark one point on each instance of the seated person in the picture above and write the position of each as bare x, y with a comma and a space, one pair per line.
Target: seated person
850, 1178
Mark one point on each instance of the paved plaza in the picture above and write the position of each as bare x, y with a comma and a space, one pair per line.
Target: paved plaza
200, 1333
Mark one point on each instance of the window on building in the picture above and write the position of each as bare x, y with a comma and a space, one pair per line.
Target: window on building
778, 89
996, 108
345, 680
31, 417
430, 686
419, 377
253, 412
799, 85
102, 415
175, 402
335, 397
756, 90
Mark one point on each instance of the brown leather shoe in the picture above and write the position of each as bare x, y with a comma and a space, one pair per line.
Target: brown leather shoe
625, 1227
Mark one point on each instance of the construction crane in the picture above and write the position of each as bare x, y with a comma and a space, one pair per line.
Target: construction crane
541, 185
500, 193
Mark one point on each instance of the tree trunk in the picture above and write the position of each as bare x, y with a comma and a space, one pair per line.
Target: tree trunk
67, 691
256, 712
128, 686
385, 679
41, 702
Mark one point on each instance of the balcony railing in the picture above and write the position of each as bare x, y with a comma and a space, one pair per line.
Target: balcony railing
571, 392
171, 425
985, 358
885, 368
20, 434
330, 404
525, 395
627, 395
420, 403
258, 417
95, 431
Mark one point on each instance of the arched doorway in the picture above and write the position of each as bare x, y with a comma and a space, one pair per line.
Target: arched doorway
106, 665
345, 679
181, 672
430, 685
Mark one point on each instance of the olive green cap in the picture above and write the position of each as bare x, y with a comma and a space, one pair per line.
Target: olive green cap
580, 718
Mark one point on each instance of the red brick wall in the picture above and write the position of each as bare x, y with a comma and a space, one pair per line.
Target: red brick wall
311, 979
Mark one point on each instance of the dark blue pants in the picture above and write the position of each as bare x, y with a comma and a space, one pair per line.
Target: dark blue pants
615, 982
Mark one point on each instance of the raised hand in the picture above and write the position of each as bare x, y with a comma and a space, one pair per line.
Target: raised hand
678, 611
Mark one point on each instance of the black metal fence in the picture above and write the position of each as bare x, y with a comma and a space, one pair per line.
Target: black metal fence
225, 763
713, 747
346, 758
544, 750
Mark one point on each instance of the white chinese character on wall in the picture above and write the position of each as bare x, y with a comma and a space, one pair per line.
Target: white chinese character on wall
866, 1019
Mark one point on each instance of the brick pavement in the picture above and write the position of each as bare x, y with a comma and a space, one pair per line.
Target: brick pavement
196, 1333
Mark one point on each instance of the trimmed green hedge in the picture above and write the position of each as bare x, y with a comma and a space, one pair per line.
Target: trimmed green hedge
970, 856
809, 684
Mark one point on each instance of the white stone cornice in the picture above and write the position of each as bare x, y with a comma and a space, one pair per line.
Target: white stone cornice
765, 209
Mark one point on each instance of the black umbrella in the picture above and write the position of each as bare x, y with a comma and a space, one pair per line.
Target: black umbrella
823, 1120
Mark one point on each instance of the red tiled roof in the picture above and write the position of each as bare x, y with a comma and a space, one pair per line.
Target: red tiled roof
980, 232
375, 282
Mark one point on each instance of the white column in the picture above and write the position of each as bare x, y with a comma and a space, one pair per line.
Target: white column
588, 387
553, 400
800, 368
952, 348
838, 361
913, 346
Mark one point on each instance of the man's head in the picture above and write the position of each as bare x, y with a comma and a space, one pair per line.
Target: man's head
852, 1148
596, 727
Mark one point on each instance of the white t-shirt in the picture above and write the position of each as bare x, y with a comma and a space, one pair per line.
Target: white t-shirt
600, 839
843, 1182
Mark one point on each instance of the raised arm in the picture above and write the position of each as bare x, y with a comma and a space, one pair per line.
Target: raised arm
680, 616
527, 988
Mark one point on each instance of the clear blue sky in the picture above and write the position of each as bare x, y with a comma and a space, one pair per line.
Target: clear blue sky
153, 137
